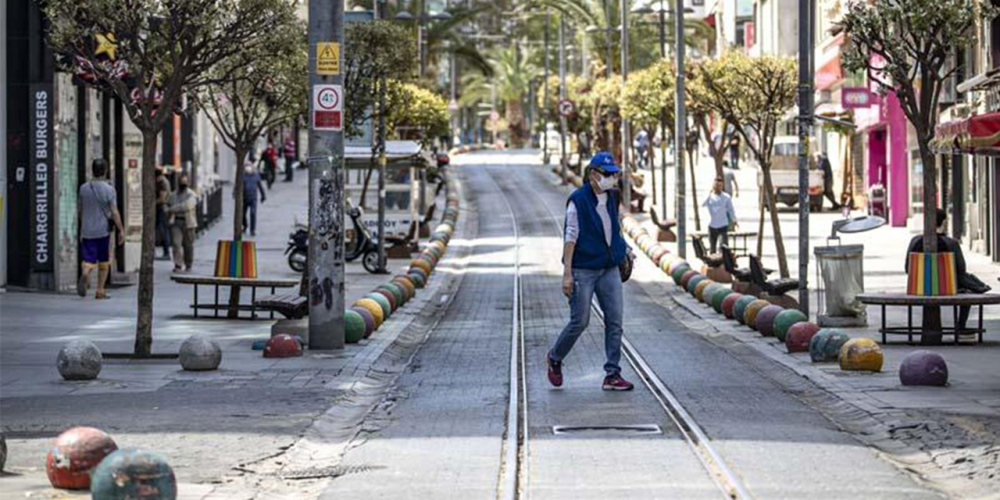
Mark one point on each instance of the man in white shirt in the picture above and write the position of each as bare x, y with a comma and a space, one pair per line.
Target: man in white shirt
720, 209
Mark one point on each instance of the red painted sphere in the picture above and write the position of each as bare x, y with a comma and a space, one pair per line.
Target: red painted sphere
75, 453
282, 346
729, 303
800, 335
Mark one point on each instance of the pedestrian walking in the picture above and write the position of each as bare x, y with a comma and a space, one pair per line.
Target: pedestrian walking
722, 214
824, 165
184, 221
729, 184
291, 156
270, 160
593, 250
734, 151
163, 192
251, 185
641, 145
99, 218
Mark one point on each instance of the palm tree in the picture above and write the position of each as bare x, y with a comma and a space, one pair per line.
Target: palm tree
509, 80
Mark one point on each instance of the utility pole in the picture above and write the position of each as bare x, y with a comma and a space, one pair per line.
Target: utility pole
663, 122
326, 181
626, 132
680, 134
805, 127
545, 98
562, 96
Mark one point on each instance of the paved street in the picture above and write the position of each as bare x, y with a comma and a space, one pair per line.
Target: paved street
420, 410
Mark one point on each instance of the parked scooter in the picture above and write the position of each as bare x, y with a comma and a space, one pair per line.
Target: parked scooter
298, 248
363, 245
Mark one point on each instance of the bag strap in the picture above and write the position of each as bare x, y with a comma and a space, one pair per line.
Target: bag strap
100, 204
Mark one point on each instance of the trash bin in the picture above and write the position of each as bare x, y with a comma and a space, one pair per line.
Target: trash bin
840, 273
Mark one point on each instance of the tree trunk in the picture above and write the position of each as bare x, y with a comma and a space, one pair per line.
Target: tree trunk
931, 318
515, 122
238, 210
760, 225
144, 318
775, 223
694, 193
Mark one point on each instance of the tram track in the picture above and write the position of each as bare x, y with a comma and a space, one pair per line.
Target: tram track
514, 472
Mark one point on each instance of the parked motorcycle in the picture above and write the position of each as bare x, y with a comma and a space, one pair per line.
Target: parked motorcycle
298, 248
362, 245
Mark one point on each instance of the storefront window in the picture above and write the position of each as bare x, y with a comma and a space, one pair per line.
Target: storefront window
916, 182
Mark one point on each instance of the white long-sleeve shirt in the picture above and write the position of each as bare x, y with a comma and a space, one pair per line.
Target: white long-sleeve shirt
573, 220
720, 208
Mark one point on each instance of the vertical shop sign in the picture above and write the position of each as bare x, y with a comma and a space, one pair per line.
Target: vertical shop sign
40, 175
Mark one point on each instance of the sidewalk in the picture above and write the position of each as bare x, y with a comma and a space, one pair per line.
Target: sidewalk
205, 423
950, 433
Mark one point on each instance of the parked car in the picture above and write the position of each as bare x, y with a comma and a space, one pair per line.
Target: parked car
785, 174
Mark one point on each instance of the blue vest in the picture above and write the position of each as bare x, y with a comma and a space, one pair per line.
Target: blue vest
592, 251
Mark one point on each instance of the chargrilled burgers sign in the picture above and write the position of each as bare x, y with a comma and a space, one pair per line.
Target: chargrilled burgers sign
40, 175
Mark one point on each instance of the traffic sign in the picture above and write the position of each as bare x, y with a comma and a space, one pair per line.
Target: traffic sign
327, 58
566, 107
328, 108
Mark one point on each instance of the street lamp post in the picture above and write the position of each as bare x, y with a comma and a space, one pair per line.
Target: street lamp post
805, 126
680, 131
545, 98
562, 96
626, 131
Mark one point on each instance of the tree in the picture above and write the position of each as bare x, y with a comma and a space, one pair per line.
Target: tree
252, 91
159, 49
414, 108
373, 51
511, 76
605, 101
753, 93
904, 46
648, 97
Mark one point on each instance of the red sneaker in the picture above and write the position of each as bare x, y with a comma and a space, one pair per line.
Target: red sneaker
555, 371
617, 383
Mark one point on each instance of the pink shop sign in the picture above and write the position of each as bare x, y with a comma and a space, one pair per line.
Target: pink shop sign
856, 97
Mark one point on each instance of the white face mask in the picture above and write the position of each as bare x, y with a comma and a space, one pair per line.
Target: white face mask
607, 183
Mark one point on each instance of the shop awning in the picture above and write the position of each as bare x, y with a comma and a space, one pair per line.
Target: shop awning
975, 135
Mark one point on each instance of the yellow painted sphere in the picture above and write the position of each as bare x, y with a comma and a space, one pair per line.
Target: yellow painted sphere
374, 308
750, 314
861, 355
422, 264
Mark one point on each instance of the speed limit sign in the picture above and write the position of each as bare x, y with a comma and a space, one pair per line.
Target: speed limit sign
566, 107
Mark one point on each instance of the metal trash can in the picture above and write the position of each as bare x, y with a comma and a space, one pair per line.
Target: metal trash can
840, 273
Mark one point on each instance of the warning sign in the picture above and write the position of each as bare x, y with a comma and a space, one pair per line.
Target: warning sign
328, 107
328, 58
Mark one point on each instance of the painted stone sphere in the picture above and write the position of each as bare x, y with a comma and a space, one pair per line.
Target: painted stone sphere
374, 308
677, 272
799, 336
282, 346
134, 474
686, 278
719, 296
750, 315
740, 308
785, 320
729, 304
74, 454
389, 296
700, 289
861, 355
693, 283
825, 345
397, 292
368, 319
382, 302
677, 264
354, 327
923, 368
765, 319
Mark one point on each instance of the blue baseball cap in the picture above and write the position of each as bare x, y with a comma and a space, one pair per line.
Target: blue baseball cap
605, 162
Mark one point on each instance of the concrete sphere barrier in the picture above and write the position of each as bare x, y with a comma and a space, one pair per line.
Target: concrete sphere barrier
407, 283
429, 259
200, 353
765, 319
665, 263
282, 346
677, 272
741, 307
374, 308
397, 292
700, 288
387, 295
382, 302
421, 264
861, 355
825, 345
686, 278
134, 474
785, 320
719, 296
800, 335
693, 283
354, 327
79, 360
419, 271
659, 254
419, 280
367, 318
676, 264
752, 310
729, 303
923, 367
74, 454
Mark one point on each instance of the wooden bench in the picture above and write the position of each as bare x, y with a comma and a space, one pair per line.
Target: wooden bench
911, 301
664, 228
291, 305
252, 283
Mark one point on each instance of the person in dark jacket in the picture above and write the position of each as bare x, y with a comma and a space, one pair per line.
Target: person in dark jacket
593, 248
824, 165
251, 186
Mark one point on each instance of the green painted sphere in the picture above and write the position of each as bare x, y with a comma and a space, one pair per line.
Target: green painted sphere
354, 327
718, 297
785, 320
396, 291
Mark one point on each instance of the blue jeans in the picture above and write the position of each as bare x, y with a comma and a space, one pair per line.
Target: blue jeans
607, 284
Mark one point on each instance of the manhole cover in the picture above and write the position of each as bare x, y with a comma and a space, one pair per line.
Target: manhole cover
624, 429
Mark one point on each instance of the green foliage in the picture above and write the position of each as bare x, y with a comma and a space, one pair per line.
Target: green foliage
513, 71
372, 50
411, 108
577, 90
648, 97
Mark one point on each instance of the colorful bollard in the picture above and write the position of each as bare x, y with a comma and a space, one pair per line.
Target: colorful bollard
800, 335
374, 308
825, 345
923, 368
785, 320
380, 295
729, 304
861, 355
134, 474
354, 327
719, 296
750, 315
686, 278
74, 454
368, 319
741, 307
283, 346
765, 319
693, 282
699, 290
